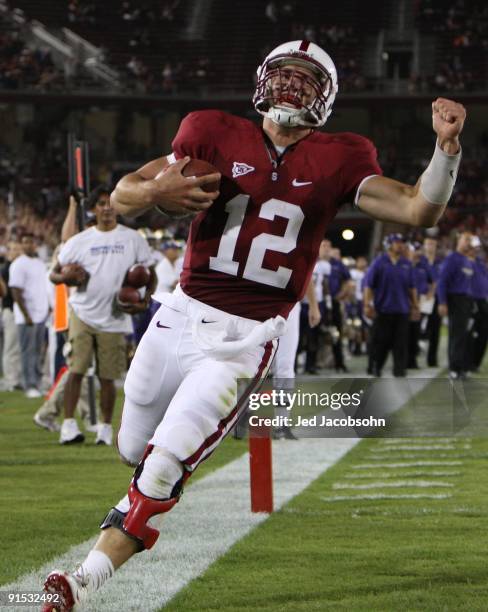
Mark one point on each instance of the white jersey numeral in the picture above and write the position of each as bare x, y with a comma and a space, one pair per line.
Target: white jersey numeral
253, 269
224, 262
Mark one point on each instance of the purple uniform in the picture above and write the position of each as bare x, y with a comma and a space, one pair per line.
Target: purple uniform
390, 283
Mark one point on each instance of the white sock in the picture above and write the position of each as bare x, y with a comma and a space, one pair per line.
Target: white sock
124, 504
95, 570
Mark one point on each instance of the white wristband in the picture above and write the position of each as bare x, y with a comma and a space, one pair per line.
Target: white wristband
437, 182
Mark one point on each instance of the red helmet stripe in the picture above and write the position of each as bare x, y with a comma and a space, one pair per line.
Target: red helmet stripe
304, 45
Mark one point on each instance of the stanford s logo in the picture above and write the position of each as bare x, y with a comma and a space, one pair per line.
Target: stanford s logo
240, 168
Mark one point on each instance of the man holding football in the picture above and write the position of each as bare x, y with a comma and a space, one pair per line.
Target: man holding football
251, 251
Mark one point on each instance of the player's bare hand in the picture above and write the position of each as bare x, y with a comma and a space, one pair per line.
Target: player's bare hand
442, 310
173, 192
136, 308
314, 316
74, 275
415, 313
369, 311
448, 120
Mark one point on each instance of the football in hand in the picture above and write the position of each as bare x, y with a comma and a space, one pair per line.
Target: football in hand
199, 167
127, 296
74, 274
137, 276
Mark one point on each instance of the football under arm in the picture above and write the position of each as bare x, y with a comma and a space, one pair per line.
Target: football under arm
134, 193
386, 199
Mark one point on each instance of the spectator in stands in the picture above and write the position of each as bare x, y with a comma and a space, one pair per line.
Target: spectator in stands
12, 370
454, 293
27, 280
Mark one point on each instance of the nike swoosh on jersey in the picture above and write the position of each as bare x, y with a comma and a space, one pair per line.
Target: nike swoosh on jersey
203, 321
296, 183
158, 324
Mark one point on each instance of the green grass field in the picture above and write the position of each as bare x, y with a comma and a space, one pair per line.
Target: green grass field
320, 552
55, 496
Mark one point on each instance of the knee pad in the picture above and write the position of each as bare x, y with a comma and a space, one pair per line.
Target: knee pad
160, 475
130, 449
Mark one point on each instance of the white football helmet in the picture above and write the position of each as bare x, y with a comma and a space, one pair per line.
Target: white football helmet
282, 104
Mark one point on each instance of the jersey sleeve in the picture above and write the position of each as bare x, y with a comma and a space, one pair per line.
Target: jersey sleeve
195, 136
67, 253
371, 275
143, 252
16, 275
361, 163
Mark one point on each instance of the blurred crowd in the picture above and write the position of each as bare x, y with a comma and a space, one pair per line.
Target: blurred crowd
460, 28
463, 22
22, 67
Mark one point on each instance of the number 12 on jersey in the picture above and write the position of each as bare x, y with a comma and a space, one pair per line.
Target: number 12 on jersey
253, 270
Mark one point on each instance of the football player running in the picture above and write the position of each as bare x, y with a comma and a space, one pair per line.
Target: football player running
251, 251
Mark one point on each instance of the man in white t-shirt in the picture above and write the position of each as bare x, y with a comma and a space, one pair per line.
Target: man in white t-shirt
166, 271
97, 326
27, 280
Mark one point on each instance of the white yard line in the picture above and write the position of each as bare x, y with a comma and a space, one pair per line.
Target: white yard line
392, 484
416, 473
403, 455
411, 484
426, 440
389, 466
379, 496
420, 447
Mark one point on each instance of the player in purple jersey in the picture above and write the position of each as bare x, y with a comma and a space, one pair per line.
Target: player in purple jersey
251, 252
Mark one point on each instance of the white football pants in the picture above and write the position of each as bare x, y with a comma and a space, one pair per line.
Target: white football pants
178, 398
284, 362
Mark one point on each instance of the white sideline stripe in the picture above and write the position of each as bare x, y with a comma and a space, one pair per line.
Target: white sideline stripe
367, 466
412, 484
335, 498
212, 515
364, 475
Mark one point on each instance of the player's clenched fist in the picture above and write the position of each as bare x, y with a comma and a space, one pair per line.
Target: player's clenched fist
447, 120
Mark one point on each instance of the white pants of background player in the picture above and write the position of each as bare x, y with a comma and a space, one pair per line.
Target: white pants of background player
283, 367
176, 396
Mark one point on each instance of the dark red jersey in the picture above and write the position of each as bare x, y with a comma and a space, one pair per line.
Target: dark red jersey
253, 251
